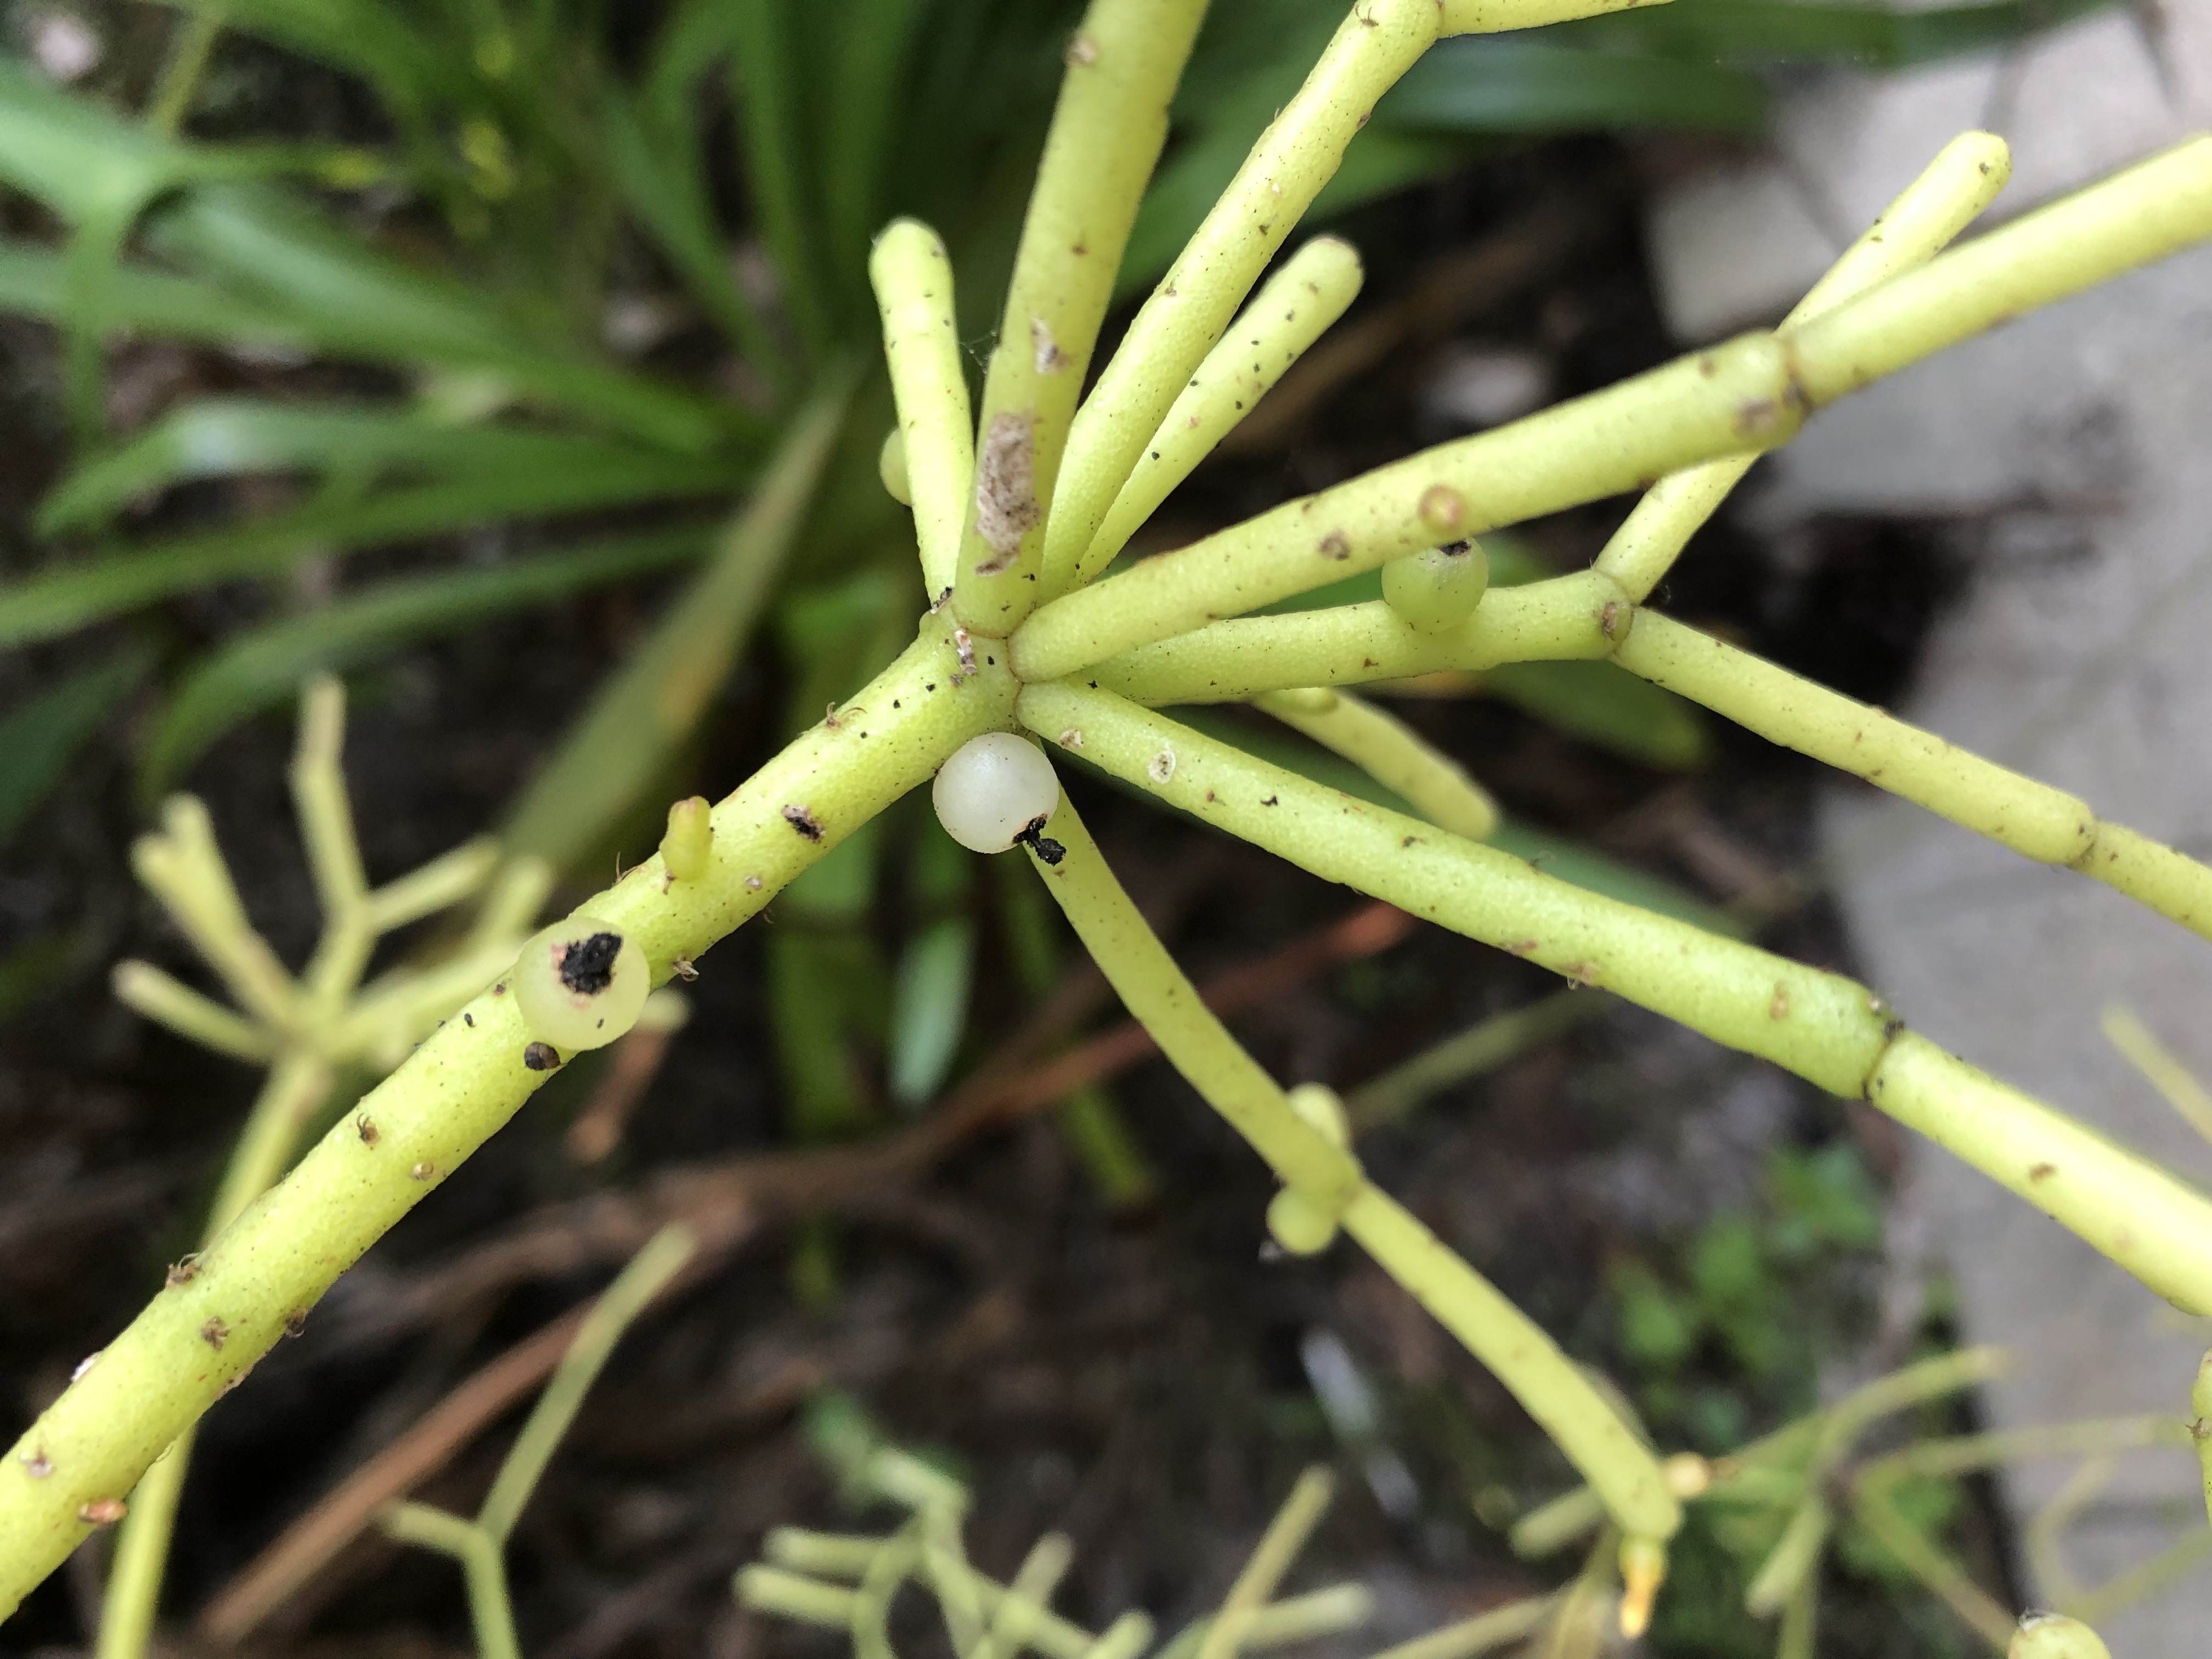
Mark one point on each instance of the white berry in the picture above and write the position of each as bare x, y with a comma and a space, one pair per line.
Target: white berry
581, 983
994, 790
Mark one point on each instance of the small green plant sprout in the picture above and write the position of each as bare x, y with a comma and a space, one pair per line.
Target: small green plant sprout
480, 1545
1039, 635
848, 1582
303, 1029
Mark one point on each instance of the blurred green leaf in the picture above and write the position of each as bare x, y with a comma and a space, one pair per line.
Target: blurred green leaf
35, 282
353, 301
31, 972
224, 436
1599, 702
39, 739
64, 599
766, 70
1486, 85
264, 666
640, 716
1808, 31
929, 1008
1657, 1328
821, 985
1608, 706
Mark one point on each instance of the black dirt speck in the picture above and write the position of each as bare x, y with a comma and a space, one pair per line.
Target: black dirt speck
587, 965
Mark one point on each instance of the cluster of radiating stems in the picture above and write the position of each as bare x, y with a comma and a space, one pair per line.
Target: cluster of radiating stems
1017, 511
846, 1583
305, 1030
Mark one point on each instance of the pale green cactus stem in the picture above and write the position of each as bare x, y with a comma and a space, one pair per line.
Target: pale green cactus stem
135, 1398
1748, 395
2033, 819
1733, 397
1190, 309
1573, 617
2054, 1636
1393, 754
1292, 309
2200, 1426
1822, 1026
1245, 657
1123, 63
1550, 1386
480, 1545
913, 280
2134, 218
1263, 1570
1947, 197
300, 1033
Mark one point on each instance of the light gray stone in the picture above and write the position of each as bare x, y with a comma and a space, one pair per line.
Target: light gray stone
1734, 248
1856, 140
2078, 103
2074, 451
2088, 672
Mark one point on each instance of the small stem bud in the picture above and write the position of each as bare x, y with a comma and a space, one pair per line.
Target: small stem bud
1643, 1570
688, 847
2054, 1636
1437, 590
890, 466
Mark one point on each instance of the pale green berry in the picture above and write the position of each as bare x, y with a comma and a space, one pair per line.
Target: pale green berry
890, 463
581, 983
1437, 590
1298, 1223
2054, 1636
688, 845
1320, 1106
995, 791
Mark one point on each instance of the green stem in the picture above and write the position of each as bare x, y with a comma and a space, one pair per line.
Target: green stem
618, 1306
2132, 219
1393, 754
641, 714
1123, 63
2031, 818
1562, 619
1962, 180
1822, 1026
490, 1612
466, 1079
1554, 1390
294, 1091
1292, 310
1734, 398
913, 280
1483, 1634
1191, 309
192, 45
1270, 1559
1918, 1555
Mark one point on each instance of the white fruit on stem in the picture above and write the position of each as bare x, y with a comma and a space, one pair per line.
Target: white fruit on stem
993, 791
581, 983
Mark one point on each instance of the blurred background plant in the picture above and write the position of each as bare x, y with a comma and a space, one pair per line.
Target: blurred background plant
535, 335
